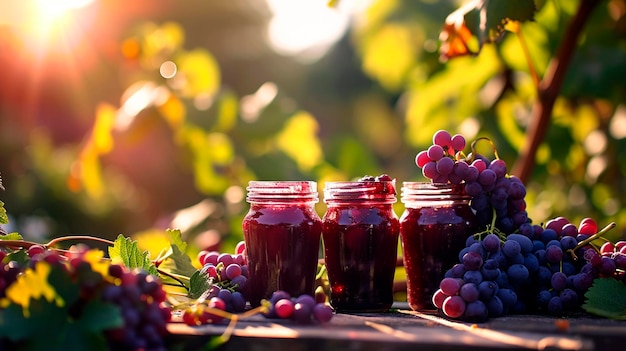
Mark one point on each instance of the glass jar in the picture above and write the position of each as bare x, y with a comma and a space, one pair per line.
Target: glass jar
434, 227
360, 236
282, 233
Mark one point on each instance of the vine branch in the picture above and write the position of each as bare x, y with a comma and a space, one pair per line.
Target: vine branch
548, 90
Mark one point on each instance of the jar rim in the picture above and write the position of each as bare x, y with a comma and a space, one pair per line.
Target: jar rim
428, 191
376, 191
282, 190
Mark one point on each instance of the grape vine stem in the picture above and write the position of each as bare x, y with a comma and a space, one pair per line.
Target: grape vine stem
548, 90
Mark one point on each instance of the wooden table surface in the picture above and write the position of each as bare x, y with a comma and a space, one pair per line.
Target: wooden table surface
403, 329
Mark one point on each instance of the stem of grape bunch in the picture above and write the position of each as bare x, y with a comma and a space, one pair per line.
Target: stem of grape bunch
590, 239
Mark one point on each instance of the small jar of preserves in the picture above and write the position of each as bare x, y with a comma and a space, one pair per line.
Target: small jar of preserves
434, 227
282, 232
360, 236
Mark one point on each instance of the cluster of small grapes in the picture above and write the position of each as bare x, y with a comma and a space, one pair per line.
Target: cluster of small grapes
487, 182
440, 161
139, 295
609, 261
227, 275
302, 309
532, 270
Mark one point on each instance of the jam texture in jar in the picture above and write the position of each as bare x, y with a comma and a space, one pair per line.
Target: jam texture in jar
360, 236
282, 233
434, 227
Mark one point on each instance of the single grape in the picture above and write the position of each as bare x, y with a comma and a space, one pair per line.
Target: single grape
450, 286
445, 166
442, 138
457, 142
322, 313
569, 229
518, 273
569, 298
430, 170
211, 257
607, 248
554, 253
491, 242
531, 262
225, 295
438, 297
511, 248
240, 248
302, 312
238, 301
558, 281
226, 259
469, 292
487, 178
555, 305
587, 226
607, 266
495, 307
476, 311
498, 166
473, 260
487, 289
35, 250
422, 159
284, 308
435, 152
453, 306
233, 270
548, 234
307, 300
473, 277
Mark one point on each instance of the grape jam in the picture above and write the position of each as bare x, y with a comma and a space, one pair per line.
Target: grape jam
282, 234
360, 236
433, 229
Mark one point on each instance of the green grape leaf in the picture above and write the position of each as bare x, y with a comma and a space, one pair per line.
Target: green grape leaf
606, 298
126, 251
198, 284
177, 263
19, 256
4, 218
175, 238
11, 236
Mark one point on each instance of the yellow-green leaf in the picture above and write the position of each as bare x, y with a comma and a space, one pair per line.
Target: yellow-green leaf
33, 284
299, 140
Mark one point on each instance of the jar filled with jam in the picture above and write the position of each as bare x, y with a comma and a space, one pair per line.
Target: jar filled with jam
434, 227
282, 233
360, 236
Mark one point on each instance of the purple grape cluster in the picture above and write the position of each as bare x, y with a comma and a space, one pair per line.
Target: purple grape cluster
137, 295
492, 190
227, 275
535, 269
301, 309
140, 297
439, 161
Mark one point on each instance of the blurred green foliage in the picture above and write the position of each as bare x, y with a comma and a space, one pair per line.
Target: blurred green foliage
179, 151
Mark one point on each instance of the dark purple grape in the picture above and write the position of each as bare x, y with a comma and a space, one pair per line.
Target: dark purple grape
469, 292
